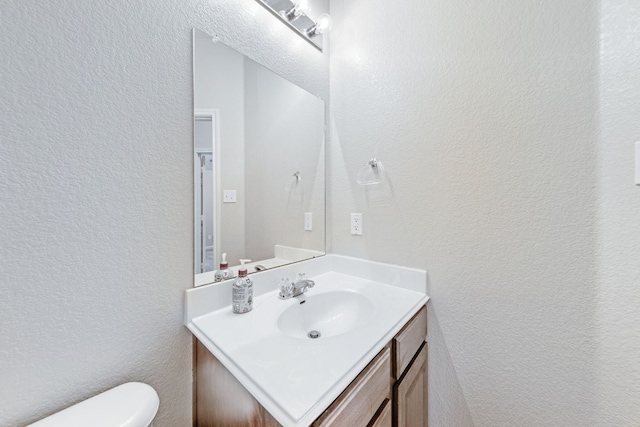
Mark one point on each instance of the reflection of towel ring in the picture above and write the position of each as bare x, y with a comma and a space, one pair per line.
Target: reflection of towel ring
295, 187
371, 173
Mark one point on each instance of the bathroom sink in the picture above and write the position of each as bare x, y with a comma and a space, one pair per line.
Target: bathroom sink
326, 314
269, 351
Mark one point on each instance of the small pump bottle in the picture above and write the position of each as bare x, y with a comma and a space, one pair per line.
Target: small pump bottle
242, 290
225, 272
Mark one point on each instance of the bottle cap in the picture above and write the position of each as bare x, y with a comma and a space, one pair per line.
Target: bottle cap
243, 270
224, 264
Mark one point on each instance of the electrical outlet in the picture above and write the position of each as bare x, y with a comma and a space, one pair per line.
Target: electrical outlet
229, 196
356, 224
308, 221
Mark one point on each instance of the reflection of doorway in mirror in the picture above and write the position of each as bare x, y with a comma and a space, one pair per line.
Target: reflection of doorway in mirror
204, 206
206, 242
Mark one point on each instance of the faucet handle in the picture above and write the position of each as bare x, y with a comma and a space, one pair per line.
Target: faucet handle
301, 277
286, 288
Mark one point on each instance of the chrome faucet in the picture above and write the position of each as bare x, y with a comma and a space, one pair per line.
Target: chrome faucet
300, 286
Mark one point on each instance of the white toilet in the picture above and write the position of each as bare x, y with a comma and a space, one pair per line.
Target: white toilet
127, 405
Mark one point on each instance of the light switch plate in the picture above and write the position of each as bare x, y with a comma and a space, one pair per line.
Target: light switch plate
229, 196
638, 163
308, 221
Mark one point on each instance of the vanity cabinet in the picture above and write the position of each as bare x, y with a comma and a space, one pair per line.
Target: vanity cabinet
390, 392
410, 373
410, 393
384, 392
365, 397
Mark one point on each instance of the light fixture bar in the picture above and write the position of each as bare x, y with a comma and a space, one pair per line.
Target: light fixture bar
294, 14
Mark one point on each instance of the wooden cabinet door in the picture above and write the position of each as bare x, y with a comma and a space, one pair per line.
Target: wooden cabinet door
410, 393
221, 401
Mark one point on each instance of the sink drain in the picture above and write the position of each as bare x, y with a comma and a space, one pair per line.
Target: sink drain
313, 334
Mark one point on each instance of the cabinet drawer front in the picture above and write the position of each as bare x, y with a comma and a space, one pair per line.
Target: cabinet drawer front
409, 340
361, 400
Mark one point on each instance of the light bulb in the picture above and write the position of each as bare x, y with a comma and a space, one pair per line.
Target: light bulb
323, 23
302, 6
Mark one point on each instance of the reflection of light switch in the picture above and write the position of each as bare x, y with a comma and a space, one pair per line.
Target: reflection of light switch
308, 221
229, 196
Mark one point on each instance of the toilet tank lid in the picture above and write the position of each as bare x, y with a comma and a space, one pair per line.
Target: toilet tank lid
127, 405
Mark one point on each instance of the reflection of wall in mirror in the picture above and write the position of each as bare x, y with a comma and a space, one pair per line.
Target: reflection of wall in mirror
221, 87
284, 132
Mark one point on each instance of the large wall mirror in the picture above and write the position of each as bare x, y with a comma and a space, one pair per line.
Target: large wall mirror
259, 169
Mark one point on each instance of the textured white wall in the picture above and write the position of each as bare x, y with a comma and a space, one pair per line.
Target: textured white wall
485, 116
96, 191
619, 249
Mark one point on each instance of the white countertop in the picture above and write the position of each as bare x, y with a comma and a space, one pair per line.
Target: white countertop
296, 379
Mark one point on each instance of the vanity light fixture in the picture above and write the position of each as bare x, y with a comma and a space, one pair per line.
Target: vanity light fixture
294, 13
